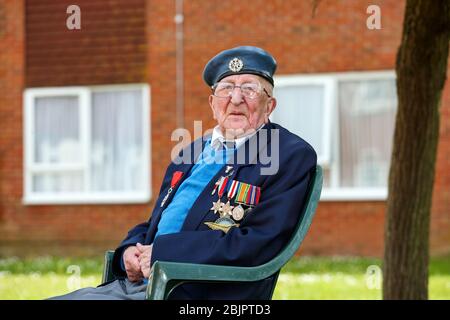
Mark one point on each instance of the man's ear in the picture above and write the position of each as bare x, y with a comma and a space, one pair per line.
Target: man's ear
271, 105
210, 100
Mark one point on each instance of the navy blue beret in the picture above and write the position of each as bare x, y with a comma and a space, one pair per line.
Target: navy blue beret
240, 60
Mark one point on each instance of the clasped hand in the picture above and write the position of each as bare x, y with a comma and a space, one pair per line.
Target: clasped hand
137, 262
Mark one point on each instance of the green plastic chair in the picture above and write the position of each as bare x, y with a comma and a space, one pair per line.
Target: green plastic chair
166, 276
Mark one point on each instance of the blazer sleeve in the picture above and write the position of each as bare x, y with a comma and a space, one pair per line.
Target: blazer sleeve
262, 233
135, 235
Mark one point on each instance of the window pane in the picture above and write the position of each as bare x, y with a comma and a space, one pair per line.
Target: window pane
57, 130
300, 109
58, 182
367, 117
117, 141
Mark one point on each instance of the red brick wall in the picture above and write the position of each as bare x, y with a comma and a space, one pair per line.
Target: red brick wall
12, 77
110, 47
336, 39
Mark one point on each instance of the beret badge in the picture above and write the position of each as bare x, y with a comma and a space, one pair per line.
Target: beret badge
240, 60
235, 65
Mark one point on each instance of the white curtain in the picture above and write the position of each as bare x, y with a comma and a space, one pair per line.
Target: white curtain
117, 146
366, 119
300, 110
57, 141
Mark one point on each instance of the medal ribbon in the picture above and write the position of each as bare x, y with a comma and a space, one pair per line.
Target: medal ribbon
258, 194
233, 188
175, 179
222, 186
253, 195
246, 193
242, 193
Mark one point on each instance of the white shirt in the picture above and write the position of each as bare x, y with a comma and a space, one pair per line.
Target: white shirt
218, 140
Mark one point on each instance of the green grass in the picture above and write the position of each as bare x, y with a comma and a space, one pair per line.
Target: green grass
43, 277
41, 286
348, 278
14, 265
301, 278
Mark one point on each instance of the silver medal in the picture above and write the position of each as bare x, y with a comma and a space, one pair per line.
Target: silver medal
217, 207
238, 213
226, 209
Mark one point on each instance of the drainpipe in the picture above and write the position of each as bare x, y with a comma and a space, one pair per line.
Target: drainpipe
179, 63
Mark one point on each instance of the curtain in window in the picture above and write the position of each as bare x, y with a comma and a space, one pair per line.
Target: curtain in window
366, 123
300, 110
117, 146
57, 142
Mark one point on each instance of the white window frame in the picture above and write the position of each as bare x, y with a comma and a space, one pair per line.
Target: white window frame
330, 81
84, 197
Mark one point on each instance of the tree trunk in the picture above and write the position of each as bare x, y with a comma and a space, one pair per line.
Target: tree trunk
421, 71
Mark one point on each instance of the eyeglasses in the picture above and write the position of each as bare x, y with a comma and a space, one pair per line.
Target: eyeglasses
249, 90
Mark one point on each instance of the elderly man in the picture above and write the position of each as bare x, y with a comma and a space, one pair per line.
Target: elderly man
229, 204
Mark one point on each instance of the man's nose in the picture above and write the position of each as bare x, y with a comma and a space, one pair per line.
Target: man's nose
236, 96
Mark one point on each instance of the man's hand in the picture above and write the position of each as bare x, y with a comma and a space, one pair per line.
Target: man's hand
131, 262
145, 258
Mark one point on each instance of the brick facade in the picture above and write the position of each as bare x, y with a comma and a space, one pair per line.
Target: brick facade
109, 48
134, 41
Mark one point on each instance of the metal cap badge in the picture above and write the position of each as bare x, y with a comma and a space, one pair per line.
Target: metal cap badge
235, 65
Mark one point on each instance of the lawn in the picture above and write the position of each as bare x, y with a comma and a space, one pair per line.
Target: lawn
301, 278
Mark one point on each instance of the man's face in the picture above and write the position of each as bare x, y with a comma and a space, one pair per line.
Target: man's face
238, 115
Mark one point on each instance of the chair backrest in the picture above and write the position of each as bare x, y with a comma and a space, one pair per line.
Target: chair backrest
305, 220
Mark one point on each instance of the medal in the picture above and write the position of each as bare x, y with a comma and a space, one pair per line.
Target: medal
220, 186
238, 213
175, 178
226, 209
217, 206
244, 194
223, 224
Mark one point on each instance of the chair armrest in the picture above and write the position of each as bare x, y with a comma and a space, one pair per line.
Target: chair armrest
107, 267
166, 276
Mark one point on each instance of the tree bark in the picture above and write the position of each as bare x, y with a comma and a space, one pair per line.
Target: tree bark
421, 73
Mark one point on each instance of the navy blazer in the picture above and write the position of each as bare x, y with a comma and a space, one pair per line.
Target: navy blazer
263, 232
